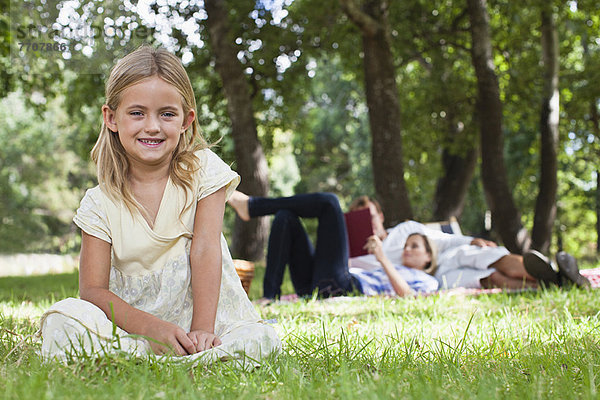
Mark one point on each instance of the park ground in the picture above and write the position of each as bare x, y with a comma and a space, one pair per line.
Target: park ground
537, 345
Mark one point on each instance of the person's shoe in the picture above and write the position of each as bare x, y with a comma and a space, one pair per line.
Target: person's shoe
540, 267
569, 272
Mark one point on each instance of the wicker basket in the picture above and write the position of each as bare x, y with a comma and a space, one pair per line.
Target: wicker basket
245, 270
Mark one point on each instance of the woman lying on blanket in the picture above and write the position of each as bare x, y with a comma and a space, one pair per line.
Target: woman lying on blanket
399, 263
464, 261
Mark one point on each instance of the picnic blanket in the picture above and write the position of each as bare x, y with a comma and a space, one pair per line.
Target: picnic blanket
592, 274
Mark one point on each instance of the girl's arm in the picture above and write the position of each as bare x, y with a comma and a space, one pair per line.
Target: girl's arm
206, 265
94, 272
401, 287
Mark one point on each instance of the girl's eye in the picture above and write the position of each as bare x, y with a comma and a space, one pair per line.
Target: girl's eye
168, 114
135, 113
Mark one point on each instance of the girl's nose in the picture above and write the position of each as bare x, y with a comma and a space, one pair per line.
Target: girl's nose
152, 125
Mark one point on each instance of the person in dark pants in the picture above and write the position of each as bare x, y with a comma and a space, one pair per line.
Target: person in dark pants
324, 266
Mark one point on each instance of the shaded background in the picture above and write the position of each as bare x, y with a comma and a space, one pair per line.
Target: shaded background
436, 108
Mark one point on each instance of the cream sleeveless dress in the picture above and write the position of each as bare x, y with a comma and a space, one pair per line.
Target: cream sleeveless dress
151, 271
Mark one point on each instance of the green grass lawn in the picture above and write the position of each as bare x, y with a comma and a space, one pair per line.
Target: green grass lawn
533, 345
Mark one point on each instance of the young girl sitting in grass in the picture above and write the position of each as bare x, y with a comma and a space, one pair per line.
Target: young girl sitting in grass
155, 271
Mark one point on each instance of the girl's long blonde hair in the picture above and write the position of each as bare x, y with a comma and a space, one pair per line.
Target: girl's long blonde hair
108, 152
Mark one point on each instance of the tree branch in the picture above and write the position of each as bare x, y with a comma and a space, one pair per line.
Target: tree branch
366, 23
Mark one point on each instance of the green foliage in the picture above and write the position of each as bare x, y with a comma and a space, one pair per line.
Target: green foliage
437, 92
580, 130
39, 179
303, 60
332, 141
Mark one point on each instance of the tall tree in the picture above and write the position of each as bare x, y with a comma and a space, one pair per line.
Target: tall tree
452, 186
459, 148
434, 68
545, 207
595, 122
594, 103
505, 215
384, 107
597, 129
248, 237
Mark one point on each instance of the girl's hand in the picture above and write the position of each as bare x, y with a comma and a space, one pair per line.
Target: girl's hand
374, 246
169, 338
203, 340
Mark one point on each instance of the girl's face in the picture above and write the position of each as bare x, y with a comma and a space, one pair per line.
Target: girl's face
415, 253
149, 120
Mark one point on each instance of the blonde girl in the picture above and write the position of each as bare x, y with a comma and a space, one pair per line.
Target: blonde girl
155, 271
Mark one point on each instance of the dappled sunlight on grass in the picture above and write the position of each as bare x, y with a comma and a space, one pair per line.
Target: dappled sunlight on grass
427, 328
23, 310
542, 344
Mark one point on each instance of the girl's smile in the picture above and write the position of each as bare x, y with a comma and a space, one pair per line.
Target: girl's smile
151, 142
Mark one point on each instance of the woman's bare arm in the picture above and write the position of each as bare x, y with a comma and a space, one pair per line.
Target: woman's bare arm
401, 287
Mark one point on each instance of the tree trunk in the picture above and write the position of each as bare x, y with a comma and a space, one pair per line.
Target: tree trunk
595, 120
452, 187
248, 237
598, 211
384, 108
505, 215
545, 206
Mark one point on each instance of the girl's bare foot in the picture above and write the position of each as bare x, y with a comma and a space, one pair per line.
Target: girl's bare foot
239, 202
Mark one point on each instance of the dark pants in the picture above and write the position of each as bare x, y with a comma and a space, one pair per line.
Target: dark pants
323, 267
